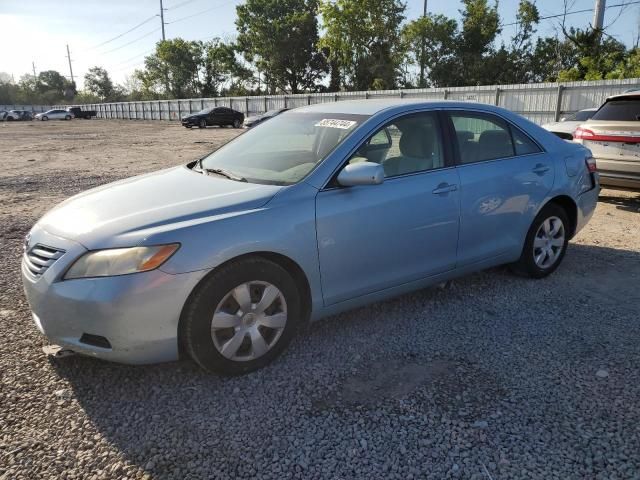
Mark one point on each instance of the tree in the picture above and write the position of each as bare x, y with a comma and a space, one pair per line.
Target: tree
280, 37
430, 44
173, 68
363, 40
480, 27
220, 66
97, 82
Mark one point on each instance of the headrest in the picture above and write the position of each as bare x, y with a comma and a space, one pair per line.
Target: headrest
417, 142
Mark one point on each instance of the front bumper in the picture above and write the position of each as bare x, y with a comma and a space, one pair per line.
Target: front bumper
138, 314
190, 122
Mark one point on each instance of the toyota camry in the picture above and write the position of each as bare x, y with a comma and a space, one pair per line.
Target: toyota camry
319, 210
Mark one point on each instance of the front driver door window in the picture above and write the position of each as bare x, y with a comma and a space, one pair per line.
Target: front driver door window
375, 237
410, 144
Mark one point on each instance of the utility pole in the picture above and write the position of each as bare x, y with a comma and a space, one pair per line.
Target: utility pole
423, 50
33, 65
598, 14
162, 20
70, 69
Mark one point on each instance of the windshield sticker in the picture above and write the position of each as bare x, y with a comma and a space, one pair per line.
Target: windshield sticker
335, 123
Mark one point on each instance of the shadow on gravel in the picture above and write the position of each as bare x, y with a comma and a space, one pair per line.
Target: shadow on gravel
164, 417
628, 204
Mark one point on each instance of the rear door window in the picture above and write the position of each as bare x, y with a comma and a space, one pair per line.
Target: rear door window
621, 110
481, 137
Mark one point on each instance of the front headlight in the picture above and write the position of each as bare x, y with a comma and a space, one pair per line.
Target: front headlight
120, 261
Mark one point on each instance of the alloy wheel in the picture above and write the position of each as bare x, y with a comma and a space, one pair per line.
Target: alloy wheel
249, 320
548, 242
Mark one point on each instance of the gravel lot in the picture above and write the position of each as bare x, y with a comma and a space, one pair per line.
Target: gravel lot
493, 377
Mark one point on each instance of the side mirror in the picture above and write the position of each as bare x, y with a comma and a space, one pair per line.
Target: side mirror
361, 173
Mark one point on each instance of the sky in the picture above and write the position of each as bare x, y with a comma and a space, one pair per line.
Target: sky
39, 30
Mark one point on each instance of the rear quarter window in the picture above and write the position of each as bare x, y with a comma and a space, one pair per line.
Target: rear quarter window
622, 110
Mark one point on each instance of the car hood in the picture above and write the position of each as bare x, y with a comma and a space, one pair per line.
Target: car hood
194, 115
129, 211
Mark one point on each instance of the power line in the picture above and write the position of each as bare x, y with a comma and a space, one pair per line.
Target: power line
180, 4
625, 4
200, 13
132, 41
123, 34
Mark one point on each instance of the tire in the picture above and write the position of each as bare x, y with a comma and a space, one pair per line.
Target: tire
67, 117
9, 119
546, 243
202, 124
45, 118
237, 123
230, 349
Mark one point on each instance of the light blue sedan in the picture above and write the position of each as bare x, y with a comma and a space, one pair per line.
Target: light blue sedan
321, 209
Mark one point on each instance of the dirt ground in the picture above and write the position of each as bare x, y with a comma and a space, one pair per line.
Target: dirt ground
514, 386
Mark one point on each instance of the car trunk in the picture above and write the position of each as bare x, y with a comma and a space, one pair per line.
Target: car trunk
615, 144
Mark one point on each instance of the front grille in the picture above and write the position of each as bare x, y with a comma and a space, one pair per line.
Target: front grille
41, 257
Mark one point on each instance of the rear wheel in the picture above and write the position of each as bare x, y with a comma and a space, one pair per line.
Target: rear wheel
237, 123
241, 317
203, 123
546, 243
67, 117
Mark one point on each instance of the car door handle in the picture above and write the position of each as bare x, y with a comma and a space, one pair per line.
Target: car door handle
540, 169
444, 188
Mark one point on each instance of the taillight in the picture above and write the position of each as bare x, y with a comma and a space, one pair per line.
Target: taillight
591, 164
583, 134
624, 137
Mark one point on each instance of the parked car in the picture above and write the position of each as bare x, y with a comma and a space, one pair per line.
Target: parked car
78, 112
3, 115
220, 116
18, 115
321, 209
566, 126
613, 135
55, 114
258, 119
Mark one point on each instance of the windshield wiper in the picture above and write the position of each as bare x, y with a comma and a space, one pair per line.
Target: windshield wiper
224, 173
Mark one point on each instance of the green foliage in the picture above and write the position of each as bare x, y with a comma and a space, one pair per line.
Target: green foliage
98, 83
280, 38
363, 41
429, 42
173, 68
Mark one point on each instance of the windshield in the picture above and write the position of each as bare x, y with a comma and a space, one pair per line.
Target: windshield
622, 110
284, 150
204, 111
581, 116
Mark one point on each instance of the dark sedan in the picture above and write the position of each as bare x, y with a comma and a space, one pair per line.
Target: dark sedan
258, 119
220, 116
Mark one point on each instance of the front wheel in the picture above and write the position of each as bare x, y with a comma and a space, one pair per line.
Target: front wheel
45, 118
67, 117
202, 124
546, 243
241, 317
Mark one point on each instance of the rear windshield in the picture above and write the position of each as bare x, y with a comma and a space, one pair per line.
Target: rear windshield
623, 110
581, 116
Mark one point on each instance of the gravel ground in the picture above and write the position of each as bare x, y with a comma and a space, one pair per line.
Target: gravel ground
493, 377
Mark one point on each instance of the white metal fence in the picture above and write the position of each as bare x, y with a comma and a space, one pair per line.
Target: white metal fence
540, 102
31, 108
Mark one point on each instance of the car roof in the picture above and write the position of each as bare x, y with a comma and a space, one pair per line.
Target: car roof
632, 93
373, 106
